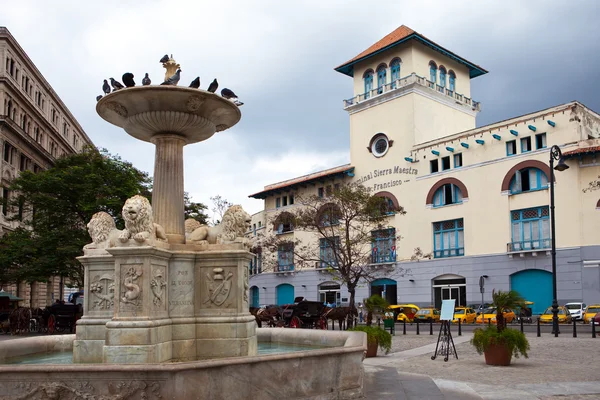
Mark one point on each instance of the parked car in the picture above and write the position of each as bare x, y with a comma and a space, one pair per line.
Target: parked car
466, 315
590, 312
577, 310
489, 314
404, 312
427, 314
479, 307
564, 316
596, 320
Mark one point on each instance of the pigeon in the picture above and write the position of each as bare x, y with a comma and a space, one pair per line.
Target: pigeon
106, 87
164, 59
173, 79
146, 81
228, 94
128, 79
116, 85
98, 97
213, 86
195, 83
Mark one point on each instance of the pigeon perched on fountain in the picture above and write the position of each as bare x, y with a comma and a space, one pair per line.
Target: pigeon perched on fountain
116, 85
173, 79
98, 97
229, 95
128, 79
106, 87
164, 59
213, 86
195, 83
146, 80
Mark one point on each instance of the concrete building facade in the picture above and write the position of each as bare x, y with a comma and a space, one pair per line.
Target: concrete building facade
36, 127
477, 199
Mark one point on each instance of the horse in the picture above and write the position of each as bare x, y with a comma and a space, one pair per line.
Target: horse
270, 314
19, 320
341, 314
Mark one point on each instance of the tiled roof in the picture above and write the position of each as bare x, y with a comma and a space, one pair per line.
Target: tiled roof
327, 173
400, 35
582, 150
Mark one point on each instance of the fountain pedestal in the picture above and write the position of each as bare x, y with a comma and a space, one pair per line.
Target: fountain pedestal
171, 300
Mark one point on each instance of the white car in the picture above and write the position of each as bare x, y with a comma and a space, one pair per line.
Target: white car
577, 310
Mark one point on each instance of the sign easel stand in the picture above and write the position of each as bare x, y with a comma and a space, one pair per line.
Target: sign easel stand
445, 344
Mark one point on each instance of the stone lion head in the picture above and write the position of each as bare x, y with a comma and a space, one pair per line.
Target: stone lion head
137, 213
100, 227
191, 225
235, 223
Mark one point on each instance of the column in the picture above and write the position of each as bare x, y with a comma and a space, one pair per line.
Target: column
167, 195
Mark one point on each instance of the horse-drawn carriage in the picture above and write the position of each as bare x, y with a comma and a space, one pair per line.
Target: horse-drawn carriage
304, 314
60, 317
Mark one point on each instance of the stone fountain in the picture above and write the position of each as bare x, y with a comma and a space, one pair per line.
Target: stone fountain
166, 300
159, 297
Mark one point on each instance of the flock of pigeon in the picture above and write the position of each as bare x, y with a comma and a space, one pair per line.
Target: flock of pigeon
173, 80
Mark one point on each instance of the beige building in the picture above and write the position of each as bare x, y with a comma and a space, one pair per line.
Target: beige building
36, 127
477, 199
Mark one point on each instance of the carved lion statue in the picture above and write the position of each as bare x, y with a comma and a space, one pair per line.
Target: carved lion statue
232, 229
139, 223
102, 230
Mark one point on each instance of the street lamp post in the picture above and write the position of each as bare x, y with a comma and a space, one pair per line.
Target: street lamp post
555, 154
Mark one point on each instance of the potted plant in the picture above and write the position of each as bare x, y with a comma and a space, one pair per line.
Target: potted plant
499, 343
376, 338
375, 305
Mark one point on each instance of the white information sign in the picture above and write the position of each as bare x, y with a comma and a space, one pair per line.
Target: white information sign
447, 310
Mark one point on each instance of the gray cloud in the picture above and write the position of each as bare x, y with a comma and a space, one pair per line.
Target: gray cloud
279, 57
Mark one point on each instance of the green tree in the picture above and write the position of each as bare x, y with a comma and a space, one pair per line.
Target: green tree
220, 205
505, 301
342, 224
194, 210
55, 206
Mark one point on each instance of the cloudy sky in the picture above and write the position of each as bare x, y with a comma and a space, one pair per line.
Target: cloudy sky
278, 56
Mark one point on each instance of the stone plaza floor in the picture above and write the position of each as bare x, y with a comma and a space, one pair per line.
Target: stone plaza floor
557, 368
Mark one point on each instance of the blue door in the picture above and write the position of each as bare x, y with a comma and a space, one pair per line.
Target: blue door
534, 285
285, 294
254, 297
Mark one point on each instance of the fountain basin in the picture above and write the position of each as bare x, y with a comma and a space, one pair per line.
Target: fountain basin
333, 372
145, 111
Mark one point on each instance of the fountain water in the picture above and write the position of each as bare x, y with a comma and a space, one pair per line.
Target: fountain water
158, 294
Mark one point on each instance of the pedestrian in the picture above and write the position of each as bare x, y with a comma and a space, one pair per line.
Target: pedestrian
360, 312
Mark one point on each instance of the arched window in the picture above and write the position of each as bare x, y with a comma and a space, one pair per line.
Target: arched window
442, 76
390, 205
452, 80
432, 71
328, 215
447, 194
381, 78
528, 180
368, 78
395, 70
284, 223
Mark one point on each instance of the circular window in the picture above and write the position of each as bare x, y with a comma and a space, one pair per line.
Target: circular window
379, 146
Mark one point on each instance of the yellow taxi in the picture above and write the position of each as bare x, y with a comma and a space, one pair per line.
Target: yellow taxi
564, 316
404, 312
466, 315
490, 314
427, 314
590, 311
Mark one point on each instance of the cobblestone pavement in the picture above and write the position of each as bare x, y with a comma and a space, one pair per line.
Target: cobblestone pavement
557, 368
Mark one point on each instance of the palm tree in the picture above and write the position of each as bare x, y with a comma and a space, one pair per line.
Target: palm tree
375, 304
505, 301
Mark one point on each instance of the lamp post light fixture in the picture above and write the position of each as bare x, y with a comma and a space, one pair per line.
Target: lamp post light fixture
555, 154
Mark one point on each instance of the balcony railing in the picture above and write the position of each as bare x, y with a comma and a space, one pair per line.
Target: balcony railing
381, 258
457, 251
409, 80
285, 267
529, 245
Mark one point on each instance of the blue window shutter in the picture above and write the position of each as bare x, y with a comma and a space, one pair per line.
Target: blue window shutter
432, 73
452, 82
442, 78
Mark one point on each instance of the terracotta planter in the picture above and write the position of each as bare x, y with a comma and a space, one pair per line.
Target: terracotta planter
497, 354
372, 349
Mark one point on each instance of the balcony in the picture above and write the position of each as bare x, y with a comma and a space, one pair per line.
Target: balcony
285, 268
529, 246
383, 258
401, 84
